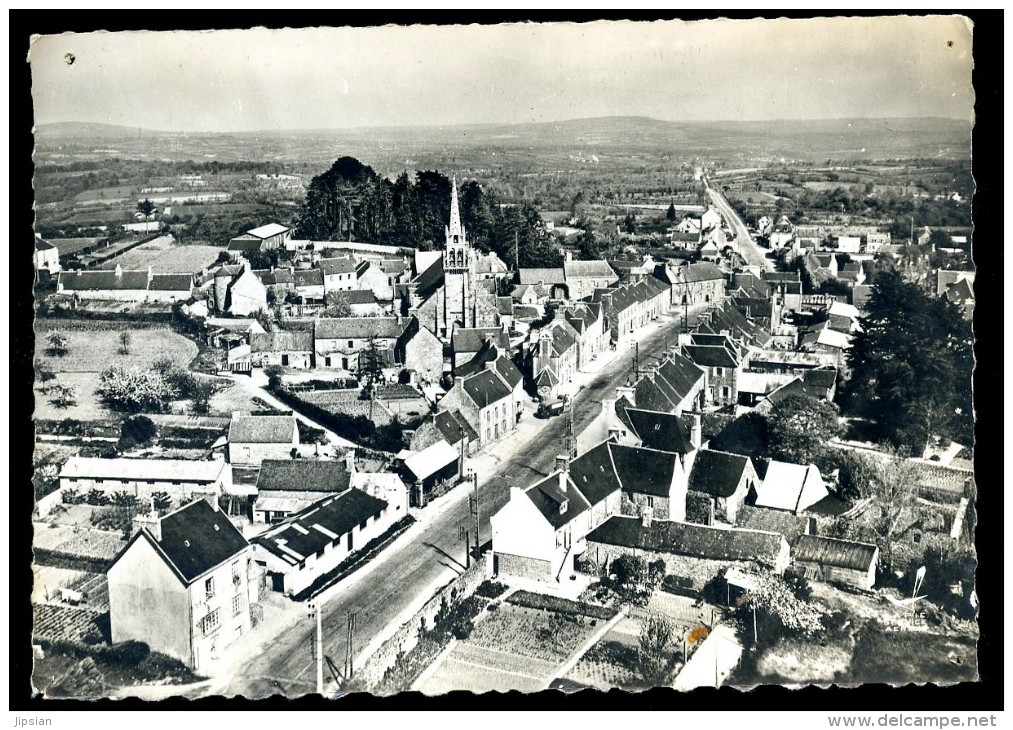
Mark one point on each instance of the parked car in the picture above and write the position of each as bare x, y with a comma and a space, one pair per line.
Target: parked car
548, 409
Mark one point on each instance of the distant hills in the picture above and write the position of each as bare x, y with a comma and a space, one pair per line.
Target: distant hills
792, 139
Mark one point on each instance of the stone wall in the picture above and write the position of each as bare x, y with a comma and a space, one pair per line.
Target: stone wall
405, 638
700, 571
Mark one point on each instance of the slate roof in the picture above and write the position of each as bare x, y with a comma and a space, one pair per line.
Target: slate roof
359, 296
486, 388
450, 423
471, 339
703, 271
696, 541
246, 244
262, 429
520, 290
771, 520
546, 378
830, 551
960, 292
340, 265
308, 277
505, 305
41, 245
780, 277
596, 269
793, 387
661, 431
548, 499
277, 277
541, 276
717, 473
104, 280
195, 539
726, 317
280, 341
945, 278
821, 378
644, 471
171, 282
306, 532
711, 356
755, 306
303, 475
356, 328
430, 280
526, 313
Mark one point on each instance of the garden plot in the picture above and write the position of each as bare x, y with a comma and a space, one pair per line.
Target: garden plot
511, 648
612, 661
65, 623
96, 544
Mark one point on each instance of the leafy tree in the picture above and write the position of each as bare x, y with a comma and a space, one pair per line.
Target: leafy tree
372, 361
855, 472
136, 431
57, 343
135, 389
124, 340
146, 208
200, 399
654, 657
44, 372
894, 490
588, 246
274, 375
911, 365
799, 428
772, 595
670, 214
630, 223
63, 396
633, 580
337, 304
96, 498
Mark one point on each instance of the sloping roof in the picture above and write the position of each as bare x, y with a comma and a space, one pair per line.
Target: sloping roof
716, 473
142, 469
960, 292
710, 356
683, 538
308, 277
541, 276
546, 378
505, 305
549, 499
262, 430
661, 431
245, 244
450, 425
431, 459
703, 271
171, 282
197, 538
266, 231
788, 486
322, 523
359, 296
644, 471
340, 265
945, 278
41, 245
594, 474
429, 280
486, 388
596, 269
356, 328
280, 341
471, 339
820, 378
303, 475
681, 375
508, 371
771, 520
104, 280
833, 338
276, 277
838, 553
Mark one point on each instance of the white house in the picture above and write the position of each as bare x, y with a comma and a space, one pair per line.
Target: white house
180, 479
46, 256
789, 487
255, 438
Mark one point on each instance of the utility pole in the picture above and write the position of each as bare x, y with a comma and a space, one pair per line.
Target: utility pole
465, 537
318, 647
350, 616
473, 504
636, 361
517, 252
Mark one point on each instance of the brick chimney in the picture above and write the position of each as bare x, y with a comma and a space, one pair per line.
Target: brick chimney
563, 467
149, 521
696, 431
350, 462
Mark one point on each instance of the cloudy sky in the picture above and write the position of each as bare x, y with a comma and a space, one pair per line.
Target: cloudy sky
392, 76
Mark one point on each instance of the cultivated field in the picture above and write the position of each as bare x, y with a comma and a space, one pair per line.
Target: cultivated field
511, 648
165, 256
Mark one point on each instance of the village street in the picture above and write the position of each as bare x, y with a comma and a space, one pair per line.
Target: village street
388, 590
750, 250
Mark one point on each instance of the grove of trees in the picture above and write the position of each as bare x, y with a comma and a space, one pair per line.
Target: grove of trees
350, 200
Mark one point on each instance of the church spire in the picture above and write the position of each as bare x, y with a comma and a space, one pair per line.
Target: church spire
455, 213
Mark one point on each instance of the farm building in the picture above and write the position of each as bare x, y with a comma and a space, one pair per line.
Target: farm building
255, 438
287, 349
790, 487
314, 541
285, 486
184, 585
432, 467
46, 256
844, 562
127, 286
180, 479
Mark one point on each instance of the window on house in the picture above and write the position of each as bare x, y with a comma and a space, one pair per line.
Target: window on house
211, 622
236, 576
362, 525
719, 372
351, 343
209, 587
650, 502
237, 605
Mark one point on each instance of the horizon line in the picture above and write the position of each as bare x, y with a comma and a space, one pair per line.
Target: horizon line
477, 125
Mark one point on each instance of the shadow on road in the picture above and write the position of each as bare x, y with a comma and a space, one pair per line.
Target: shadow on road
457, 564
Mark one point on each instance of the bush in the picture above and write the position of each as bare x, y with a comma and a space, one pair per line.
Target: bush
96, 498
136, 431
128, 653
527, 599
491, 589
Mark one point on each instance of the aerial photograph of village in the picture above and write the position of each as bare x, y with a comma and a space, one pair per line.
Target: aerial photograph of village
503, 357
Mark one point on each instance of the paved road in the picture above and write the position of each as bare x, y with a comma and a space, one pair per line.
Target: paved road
754, 254
404, 574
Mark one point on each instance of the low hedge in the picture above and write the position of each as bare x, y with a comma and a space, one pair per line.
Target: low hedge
527, 599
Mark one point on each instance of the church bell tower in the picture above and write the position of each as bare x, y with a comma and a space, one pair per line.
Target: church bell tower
458, 268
